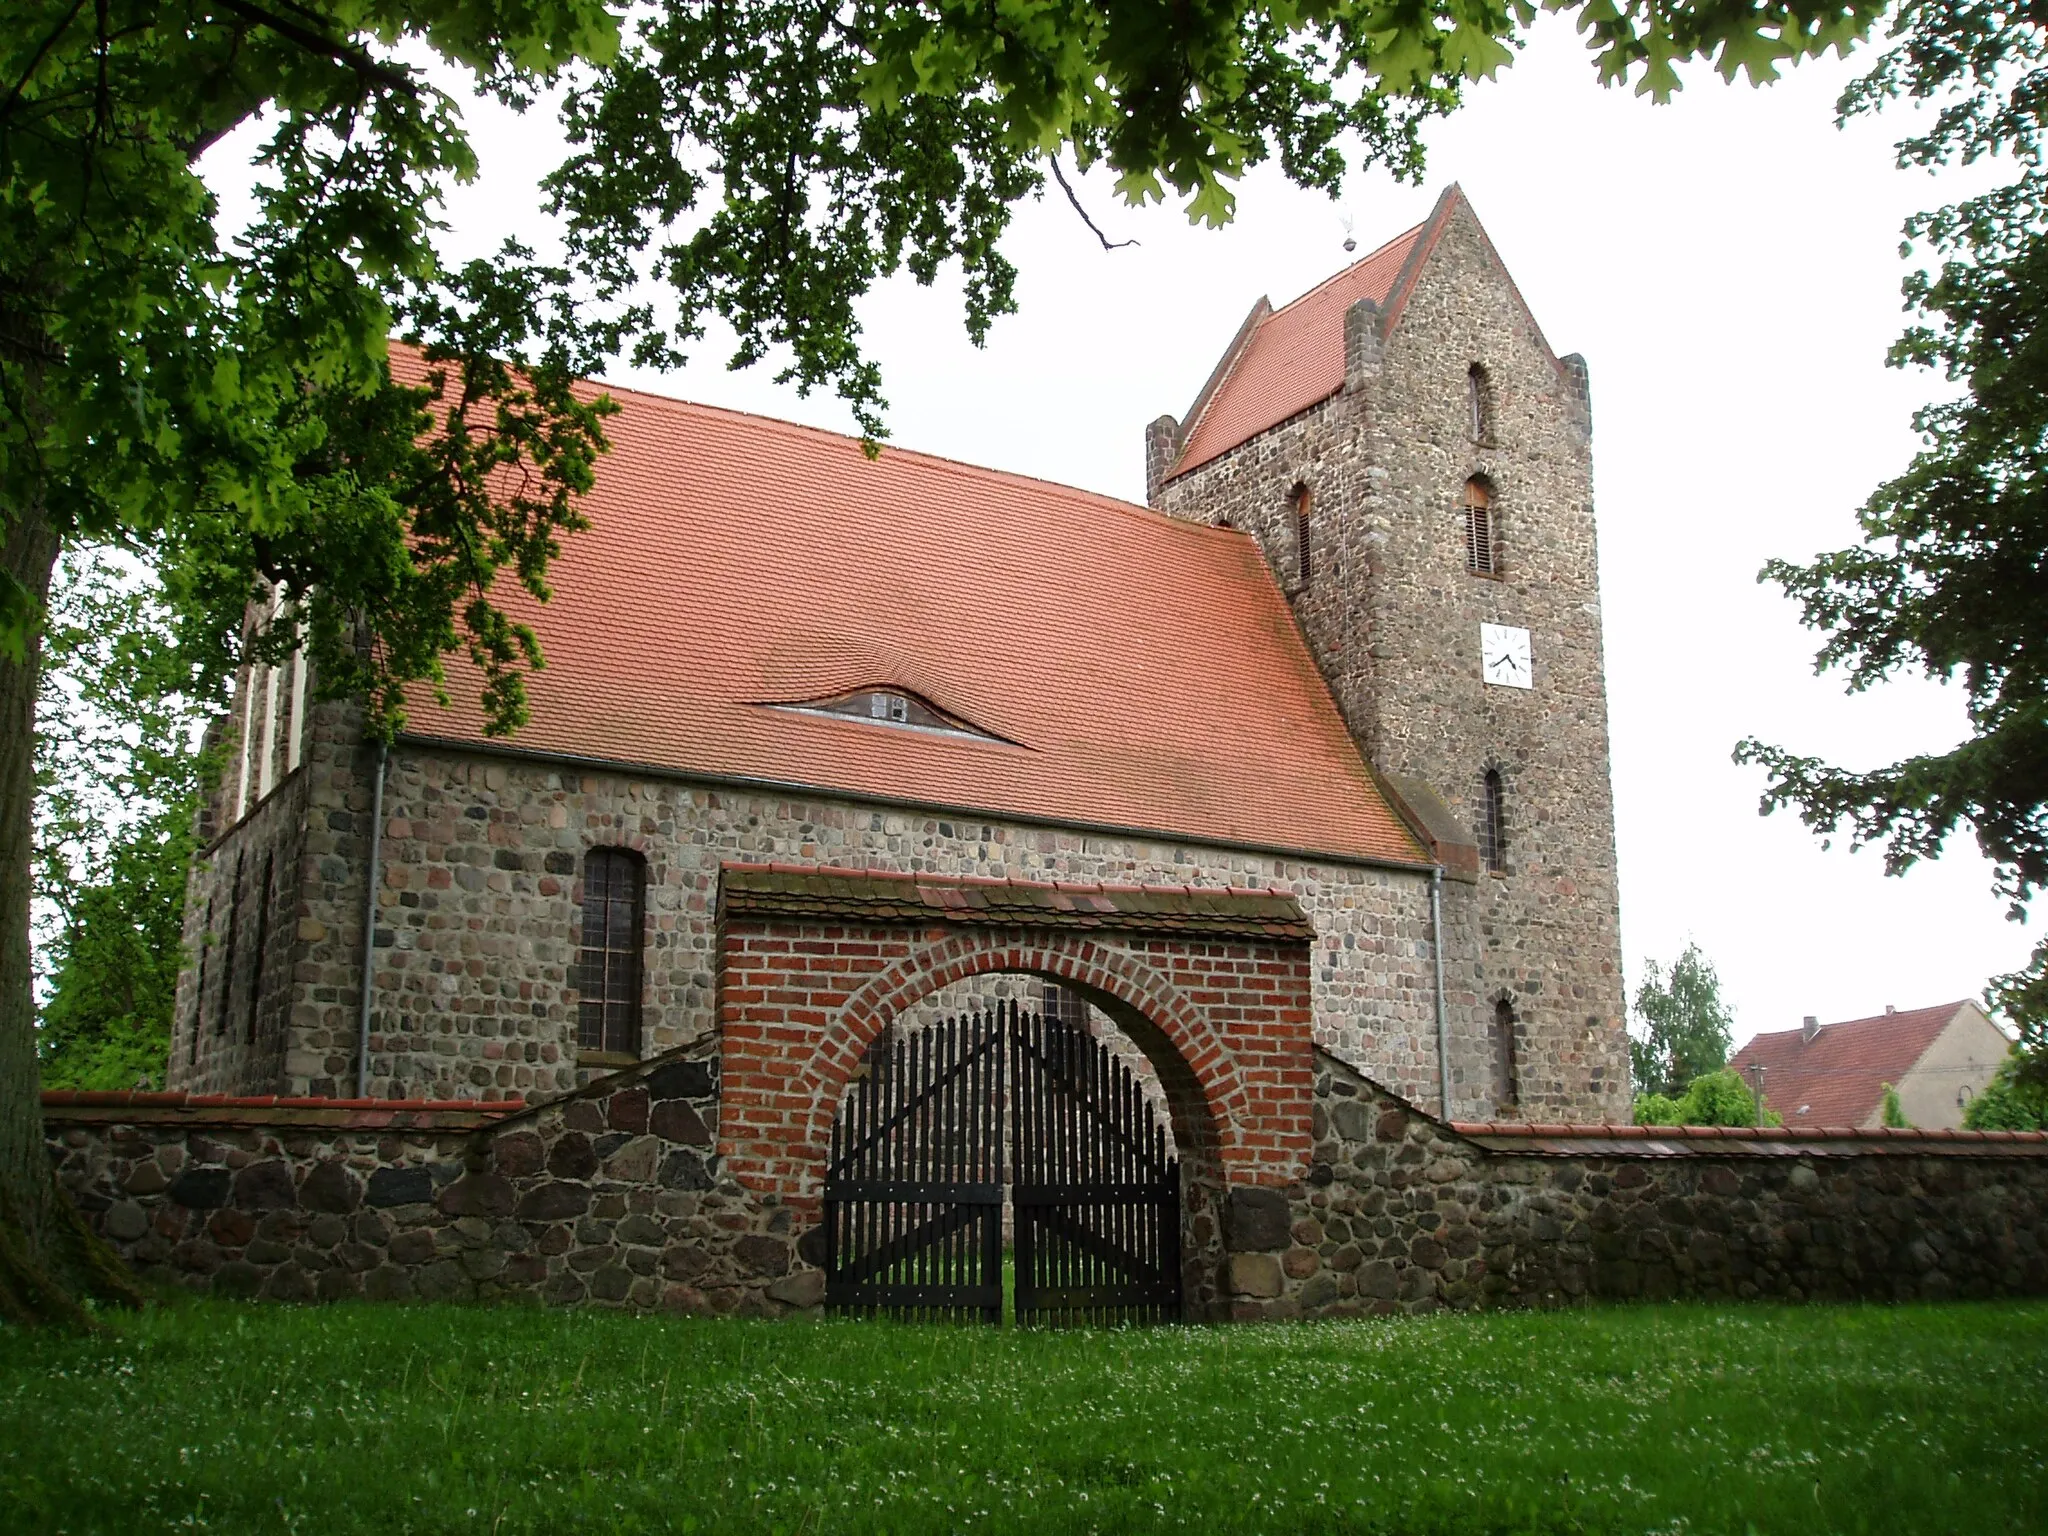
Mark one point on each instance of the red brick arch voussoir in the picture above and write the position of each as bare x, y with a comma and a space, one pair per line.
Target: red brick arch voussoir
783, 1084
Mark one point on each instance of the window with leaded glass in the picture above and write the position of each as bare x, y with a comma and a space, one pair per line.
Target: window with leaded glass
614, 883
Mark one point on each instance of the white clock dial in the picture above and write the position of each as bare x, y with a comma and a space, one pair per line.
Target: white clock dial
1504, 658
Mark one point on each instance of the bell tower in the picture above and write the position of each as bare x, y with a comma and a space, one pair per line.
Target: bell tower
1416, 464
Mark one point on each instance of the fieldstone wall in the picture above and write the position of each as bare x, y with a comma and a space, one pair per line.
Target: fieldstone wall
612, 1196
1392, 615
616, 1196
480, 919
241, 933
1400, 1212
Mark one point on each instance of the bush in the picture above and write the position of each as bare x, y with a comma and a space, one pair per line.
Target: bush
2009, 1101
1714, 1098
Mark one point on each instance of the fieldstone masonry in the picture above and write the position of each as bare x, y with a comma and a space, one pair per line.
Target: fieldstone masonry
613, 1195
618, 1196
1392, 615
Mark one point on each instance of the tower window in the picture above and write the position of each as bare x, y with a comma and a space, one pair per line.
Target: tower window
1304, 546
1506, 1071
1479, 534
1493, 831
614, 886
1479, 404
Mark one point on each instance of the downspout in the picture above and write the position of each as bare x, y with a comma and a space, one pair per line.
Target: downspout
370, 923
1443, 1029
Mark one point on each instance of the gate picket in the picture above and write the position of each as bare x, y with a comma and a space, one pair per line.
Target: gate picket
914, 1181
1097, 1198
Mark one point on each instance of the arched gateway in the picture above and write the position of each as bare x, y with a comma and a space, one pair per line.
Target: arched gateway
1212, 984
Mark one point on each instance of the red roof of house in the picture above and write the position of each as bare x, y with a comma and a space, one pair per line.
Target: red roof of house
1292, 357
1837, 1078
1138, 672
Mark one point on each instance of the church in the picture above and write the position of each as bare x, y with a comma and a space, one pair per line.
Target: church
1350, 654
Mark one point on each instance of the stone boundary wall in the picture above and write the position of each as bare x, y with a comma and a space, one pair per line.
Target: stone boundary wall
1400, 1212
616, 1196
610, 1196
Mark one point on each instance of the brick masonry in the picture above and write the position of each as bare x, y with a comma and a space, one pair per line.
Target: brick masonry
617, 1196
1393, 615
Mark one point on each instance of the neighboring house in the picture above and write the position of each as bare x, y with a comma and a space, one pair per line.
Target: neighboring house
1834, 1074
1352, 649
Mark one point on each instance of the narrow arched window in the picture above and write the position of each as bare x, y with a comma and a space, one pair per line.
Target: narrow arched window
1479, 531
1506, 1071
1304, 546
614, 892
1493, 830
1479, 404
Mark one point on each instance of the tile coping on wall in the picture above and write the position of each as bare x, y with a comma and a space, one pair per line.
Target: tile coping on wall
797, 891
62, 1106
69, 1105
1546, 1140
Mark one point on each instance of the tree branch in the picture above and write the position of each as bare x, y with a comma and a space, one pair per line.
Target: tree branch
36, 62
326, 47
1060, 177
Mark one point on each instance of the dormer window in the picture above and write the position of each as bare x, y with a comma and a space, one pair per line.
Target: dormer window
891, 706
882, 704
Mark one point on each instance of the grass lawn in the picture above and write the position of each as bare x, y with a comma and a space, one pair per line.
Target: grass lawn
226, 1417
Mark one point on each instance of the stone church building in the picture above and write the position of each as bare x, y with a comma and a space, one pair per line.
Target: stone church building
1351, 652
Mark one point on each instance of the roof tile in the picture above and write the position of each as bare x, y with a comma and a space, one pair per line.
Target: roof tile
1293, 358
1143, 673
1838, 1077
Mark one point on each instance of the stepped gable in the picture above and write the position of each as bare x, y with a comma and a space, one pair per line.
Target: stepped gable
1838, 1077
1109, 666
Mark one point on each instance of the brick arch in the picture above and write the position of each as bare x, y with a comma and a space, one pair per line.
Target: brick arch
1195, 1062
1214, 986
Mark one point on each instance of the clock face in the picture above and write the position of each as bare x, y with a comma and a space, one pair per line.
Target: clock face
1504, 658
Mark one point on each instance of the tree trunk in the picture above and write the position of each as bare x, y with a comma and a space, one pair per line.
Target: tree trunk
49, 1260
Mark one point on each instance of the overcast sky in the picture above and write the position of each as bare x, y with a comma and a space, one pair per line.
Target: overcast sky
1729, 267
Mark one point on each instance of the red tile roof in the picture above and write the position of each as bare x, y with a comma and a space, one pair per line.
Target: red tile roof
1293, 358
1142, 673
1838, 1077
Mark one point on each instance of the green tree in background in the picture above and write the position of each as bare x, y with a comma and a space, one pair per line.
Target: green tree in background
118, 781
1682, 1027
226, 412
1951, 579
2009, 1102
1893, 1116
1713, 1098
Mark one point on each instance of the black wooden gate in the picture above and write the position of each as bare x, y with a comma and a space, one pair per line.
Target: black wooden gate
914, 1188
1097, 1198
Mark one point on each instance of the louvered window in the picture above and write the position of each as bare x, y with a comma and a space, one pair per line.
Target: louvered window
614, 885
1479, 538
1493, 832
